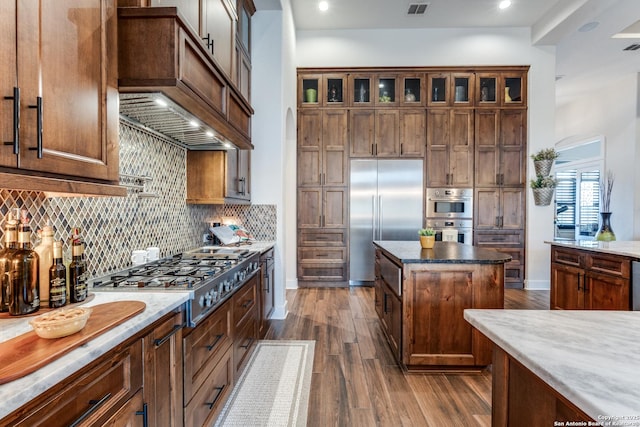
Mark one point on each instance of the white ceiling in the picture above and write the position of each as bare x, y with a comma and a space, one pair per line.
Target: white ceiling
584, 59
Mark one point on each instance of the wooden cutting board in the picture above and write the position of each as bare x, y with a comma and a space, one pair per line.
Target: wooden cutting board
28, 352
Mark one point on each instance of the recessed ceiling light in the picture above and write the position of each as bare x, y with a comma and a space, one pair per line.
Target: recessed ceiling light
504, 4
323, 5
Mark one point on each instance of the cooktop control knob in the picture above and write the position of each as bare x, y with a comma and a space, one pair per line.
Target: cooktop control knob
201, 301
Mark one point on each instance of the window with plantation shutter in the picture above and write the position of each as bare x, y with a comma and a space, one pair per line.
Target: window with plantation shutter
577, 203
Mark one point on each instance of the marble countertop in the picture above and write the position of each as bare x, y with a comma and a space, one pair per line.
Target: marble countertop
257, 246
16, 393
410, 252
630, 248
590, 357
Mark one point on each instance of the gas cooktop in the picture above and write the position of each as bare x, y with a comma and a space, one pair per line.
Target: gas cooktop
209, 274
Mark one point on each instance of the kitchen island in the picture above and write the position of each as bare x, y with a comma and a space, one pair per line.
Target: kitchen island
554, 367
421, 295
594, 275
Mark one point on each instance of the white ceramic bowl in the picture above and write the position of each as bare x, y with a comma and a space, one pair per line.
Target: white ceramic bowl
61, 323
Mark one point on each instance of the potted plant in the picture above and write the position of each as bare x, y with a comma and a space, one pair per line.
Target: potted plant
543, 160
543, 187
427, 237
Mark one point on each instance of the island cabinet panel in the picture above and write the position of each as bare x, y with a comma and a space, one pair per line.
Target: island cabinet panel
520, 398
582, 279
434, 301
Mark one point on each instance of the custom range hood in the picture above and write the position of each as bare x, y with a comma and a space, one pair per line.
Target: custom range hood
170, 83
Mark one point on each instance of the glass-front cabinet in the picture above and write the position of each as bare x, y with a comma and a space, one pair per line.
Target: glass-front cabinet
450, 89
360, 85
386, 91
335, 90
310, 90
412, 90
508, 89
322, 90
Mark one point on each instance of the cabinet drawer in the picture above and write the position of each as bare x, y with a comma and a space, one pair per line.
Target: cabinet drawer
324, 237
568, 257
328, 254
243, 342
494, 239
100, 392
204, 347
210, 398
327, 272
614, 265
244, 301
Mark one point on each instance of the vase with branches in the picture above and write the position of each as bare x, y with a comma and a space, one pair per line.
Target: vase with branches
605, 233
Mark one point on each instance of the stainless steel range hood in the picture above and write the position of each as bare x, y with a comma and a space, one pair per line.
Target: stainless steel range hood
169, 82
158, 113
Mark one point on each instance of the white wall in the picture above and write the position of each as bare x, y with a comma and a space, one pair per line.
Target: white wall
273, 99
442, 47
611, 111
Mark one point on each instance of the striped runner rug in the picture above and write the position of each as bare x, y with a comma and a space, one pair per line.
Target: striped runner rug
274, 388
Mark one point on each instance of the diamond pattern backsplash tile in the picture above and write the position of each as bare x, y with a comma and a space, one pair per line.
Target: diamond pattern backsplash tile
114, 226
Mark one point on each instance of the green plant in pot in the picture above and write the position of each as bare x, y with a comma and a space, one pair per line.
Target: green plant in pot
543, 187
427, 237
543, 161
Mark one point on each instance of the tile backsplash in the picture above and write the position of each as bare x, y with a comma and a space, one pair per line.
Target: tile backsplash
113, 226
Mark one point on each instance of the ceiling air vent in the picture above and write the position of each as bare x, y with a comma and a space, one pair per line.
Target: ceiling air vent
417, 8
634, 46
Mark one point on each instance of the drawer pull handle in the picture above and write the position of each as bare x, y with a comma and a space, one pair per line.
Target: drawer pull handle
94, 405
247, 304
159, 341
218, 338
145, 415
16, 120
248, 343
215, 399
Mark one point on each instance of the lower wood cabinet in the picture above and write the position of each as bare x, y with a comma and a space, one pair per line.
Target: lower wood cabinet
163, 373
510, 242
266, 292
245, 325
589, 280
91, 396
388, 303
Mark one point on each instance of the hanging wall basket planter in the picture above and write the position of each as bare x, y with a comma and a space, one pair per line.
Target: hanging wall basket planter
542, 196
543, 167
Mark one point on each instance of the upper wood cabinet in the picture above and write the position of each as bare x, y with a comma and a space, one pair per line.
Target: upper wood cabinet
500, 147
218, 177
219, 32
246, 9
387, 93
413, 133
323, 90
501, 89
413, 90
360, 93
450, 89
58, 79
376, 133
322, 148
450, 141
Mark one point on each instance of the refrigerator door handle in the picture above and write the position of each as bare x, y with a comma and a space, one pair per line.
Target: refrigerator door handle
373, 217
379, 217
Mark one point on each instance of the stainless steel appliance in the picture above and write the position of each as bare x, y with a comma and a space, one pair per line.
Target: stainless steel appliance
457, 230
209, 275
385, 204
635, 286
449, 203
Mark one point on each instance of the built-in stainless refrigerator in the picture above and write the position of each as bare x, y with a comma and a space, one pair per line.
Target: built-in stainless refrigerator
385, 204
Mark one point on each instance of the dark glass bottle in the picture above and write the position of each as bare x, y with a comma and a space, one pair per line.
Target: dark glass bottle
77, 270
23, 288
10, 246
57, 279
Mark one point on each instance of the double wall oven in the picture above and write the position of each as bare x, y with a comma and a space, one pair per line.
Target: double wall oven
449, 211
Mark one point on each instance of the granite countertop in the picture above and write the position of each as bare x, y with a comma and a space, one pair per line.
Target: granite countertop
590, 357
16, 393
410, 252
629, 248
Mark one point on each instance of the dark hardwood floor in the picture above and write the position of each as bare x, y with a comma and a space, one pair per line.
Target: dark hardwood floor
356, 381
